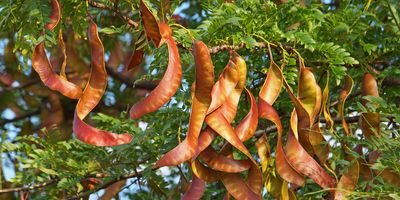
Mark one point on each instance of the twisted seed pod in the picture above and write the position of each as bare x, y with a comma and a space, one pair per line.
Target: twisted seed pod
91, 96
200, 104
168, 85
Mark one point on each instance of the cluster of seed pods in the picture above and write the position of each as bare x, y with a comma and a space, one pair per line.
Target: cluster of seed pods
215, 104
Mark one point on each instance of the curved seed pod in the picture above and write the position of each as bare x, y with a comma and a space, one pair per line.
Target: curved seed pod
64, 55
91, 135
167, 87
269, 92
224, 164
244, 131
205, 139
273, 184
55, 15
136, 59
370, 124
304, 124
387, 174
348, 86
113, 190
150, 24
97, 83
254, 179
325, 104
224, 86
369, 87
201, 102
302, 162
91, 96
196, 189
370, 121
237, 187
267, 97
390, 177
247, 127
297, 156
317, 140
42, 66
284, 169
204, 173
138, 54
229, 107
348, 181
165, 31
220, 125
177, 155
309, 93
264, 152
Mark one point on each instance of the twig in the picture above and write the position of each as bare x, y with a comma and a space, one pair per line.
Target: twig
26, 115
27, 188
271, 129
25, 85
393, 14
87, 193
116, 11
148, 85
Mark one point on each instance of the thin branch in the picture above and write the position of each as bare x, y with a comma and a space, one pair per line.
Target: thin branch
391, 81
105, 185
26, 115
25, 85
27, 188
271, 129
147, 85
116, 11
393, 14
258, 45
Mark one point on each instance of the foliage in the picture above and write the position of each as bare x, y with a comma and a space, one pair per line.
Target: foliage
347, 38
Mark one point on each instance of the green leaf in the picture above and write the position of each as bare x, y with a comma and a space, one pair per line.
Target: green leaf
48, 171
250, 42
377, 100
110, 30
234, 21
34, 12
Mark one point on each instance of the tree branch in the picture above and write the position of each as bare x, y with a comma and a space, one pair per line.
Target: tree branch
116, 11
78, 196
271, 129
26, 115
26, 188
105, 185
147, 85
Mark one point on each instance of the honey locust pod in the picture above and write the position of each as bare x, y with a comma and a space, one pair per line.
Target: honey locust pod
201, 100
91, 96
43, 67
168, 85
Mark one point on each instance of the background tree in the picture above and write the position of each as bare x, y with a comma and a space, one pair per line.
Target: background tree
342, 40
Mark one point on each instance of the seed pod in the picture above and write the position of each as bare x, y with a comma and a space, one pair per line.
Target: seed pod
91, 96
167, 87
200, 104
